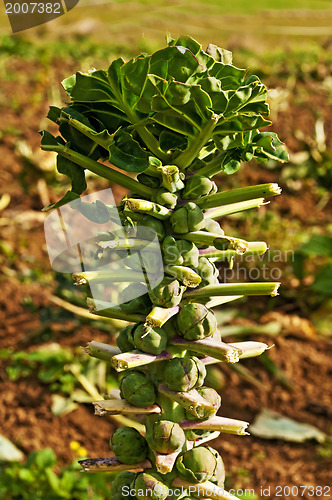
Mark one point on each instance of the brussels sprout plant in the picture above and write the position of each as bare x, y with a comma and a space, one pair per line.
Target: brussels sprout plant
175, 119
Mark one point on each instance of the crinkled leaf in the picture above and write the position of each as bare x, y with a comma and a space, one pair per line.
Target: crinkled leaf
92, 88
241, 123
219, 54
127, 154
171, 141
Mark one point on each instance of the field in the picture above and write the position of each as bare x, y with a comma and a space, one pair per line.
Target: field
47, 383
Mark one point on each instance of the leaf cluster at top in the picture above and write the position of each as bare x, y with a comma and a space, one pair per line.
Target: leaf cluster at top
181, 106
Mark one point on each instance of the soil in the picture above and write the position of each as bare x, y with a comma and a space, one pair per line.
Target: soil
25, 410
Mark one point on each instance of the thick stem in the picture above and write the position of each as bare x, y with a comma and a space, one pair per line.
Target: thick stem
188, 156
111, 464
101, 170
220, 424
209, 347
127, 360
233, 208
238, 195
218, 301
233, 289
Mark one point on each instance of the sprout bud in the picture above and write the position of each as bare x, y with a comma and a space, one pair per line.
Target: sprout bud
197, 186
148, 486
124, 478
197, 465
187, 218
184, 374
128, 445
137, 390
195, 321
124, 340
140, 303
152, 341
168, 293
164, 436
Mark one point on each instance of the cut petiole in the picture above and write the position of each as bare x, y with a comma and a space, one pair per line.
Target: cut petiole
127, 360
238, 195
234, 289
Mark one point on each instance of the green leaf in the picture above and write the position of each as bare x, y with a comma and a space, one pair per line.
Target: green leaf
231, 167
323, 281
67, 198
68, 83
96, 211
49, 140
92, 88
319, 244
241, 123
127, 154
54, 114
74, 172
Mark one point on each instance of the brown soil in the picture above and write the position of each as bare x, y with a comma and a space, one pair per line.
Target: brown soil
25, 410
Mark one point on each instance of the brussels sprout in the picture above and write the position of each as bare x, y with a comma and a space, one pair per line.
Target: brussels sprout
135, 299
197, 186
166, 198
153, 342
148, 180
128, 445
183, 374
148, 227
211, 396
168, 293
187, 218
207, 271
197, 465
219, 471
124, 478
165, 436
124, 340
179, 252
148, 486
136, 388
195, 321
